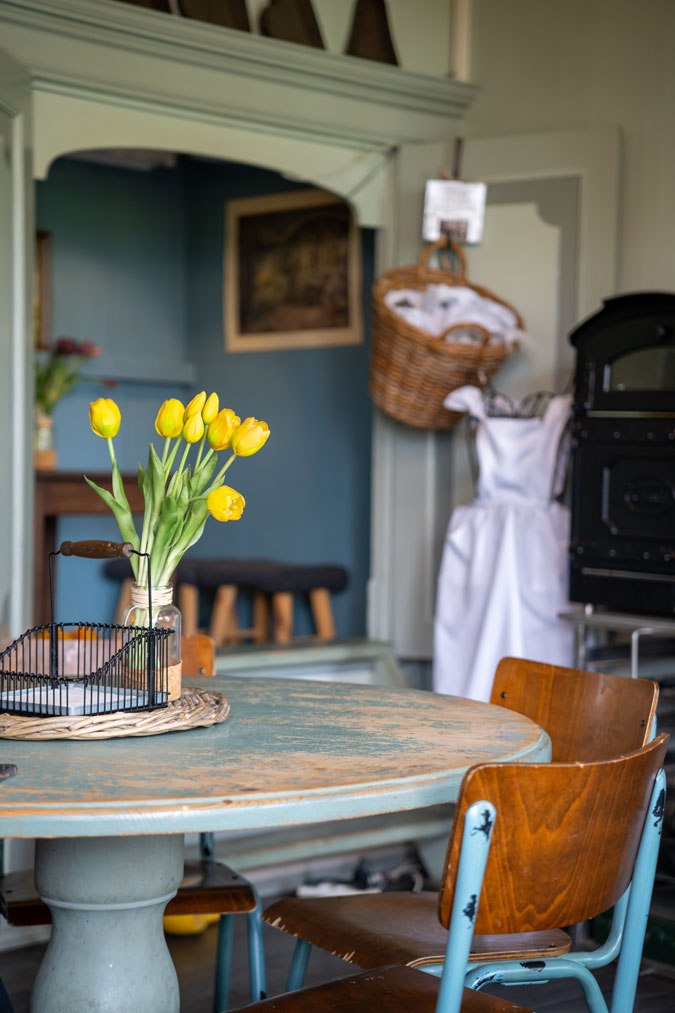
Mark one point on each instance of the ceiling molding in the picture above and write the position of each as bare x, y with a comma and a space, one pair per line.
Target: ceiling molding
123, 50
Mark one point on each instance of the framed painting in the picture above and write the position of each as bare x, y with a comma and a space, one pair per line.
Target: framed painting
42, 290
292, 273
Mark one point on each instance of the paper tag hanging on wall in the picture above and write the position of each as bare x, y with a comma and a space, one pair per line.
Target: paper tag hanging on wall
454, 209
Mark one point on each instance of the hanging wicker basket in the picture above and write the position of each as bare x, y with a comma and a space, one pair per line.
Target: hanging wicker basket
413, 371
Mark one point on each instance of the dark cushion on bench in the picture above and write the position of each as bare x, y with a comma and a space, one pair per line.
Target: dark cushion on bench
253, 574
212, 573
291, 577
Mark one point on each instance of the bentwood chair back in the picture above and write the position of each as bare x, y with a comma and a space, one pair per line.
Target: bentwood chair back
198, 654
588, 715
566, 842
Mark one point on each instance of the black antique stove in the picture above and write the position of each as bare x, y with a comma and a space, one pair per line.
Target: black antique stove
622, 548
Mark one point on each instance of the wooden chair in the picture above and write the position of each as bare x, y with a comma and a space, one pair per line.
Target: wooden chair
393, 989
540, 846
589, 717
208, 887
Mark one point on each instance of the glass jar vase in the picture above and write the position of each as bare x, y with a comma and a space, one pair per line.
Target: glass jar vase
165, 615
44, 454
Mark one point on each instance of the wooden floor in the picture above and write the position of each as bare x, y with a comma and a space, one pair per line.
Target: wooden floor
194, 957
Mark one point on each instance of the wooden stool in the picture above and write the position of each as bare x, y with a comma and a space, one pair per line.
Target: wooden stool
285, 580
266, 580
226, 577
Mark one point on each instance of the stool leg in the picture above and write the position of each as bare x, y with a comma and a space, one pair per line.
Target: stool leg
224, 624
124, 600
188, 603
260, 618
322, 610
282, 610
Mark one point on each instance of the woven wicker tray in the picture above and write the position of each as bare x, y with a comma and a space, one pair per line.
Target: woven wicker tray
196, 708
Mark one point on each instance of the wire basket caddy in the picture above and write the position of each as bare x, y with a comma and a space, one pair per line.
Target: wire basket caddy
82, 668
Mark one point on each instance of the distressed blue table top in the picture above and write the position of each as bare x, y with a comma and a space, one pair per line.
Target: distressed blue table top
289, 752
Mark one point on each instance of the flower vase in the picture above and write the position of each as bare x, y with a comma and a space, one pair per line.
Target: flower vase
165, 615
44, 455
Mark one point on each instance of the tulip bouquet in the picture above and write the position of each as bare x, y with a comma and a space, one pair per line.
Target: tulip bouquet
179, 501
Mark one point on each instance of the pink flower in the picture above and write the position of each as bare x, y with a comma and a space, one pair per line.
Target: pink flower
89, 349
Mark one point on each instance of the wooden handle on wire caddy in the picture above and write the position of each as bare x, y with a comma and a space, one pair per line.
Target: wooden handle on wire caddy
94, 549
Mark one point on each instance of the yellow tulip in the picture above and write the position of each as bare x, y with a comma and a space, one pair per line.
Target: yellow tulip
250, 437
225, 504
105, 417
193, 430
169, 421
210, 409
194, 406
222, 428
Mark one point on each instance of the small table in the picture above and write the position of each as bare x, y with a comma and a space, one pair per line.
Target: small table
57, 494
109, 816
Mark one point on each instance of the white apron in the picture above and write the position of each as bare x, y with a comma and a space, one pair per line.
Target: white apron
503, 576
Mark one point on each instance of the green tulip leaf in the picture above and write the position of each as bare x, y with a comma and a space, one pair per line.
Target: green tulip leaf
118, 487
204, 475
123, 517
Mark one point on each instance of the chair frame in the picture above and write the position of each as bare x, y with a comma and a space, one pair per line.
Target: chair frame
626, 937
627, 941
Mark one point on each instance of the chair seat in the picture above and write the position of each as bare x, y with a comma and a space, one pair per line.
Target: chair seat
383, 988
374, 929
211, 888
207, 888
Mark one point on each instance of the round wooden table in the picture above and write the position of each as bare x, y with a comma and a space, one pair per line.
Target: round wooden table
109, 816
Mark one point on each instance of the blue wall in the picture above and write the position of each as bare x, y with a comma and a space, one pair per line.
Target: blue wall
138, 269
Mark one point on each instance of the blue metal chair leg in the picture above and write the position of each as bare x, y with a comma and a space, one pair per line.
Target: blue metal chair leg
479, 823
628, 968
221, 996
296, 975
256, 954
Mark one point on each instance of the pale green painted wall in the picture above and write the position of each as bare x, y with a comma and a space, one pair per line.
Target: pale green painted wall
543, 65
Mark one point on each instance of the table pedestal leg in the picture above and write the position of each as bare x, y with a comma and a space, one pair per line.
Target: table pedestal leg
107, 951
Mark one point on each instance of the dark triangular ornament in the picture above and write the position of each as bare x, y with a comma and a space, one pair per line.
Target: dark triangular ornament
227, 13
292, 21
370, 37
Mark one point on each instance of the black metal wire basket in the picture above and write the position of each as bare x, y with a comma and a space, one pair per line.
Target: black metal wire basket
84, 668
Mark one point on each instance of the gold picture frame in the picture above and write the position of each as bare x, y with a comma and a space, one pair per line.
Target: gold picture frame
292, 273
42, 290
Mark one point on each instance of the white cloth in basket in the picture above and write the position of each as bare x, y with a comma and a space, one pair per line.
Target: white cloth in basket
440, 306
503, 577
